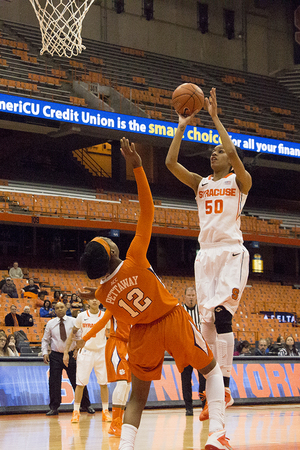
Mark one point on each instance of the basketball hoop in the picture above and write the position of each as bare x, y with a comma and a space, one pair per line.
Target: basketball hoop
61, 25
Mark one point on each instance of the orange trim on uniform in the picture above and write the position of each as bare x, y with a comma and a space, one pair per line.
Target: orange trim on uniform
230, 173
104, 243
239, 204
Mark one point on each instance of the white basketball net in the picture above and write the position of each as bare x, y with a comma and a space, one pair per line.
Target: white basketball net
61, 25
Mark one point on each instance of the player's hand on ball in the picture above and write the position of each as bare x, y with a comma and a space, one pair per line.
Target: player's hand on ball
88, 293
184, 121
211, 103
80, 343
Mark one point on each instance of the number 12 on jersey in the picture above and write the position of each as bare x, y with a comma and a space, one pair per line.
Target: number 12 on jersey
138, 301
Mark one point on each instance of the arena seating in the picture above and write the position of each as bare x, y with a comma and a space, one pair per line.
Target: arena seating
43, 200
248, 323
248, 103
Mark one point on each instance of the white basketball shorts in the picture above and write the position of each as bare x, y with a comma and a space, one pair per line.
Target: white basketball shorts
88, 360
221, 273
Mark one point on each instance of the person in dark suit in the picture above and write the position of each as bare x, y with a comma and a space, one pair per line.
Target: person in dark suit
26, 317
13, 319
55, 336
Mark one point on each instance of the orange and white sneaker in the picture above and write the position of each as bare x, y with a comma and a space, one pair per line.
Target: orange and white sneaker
228, 398
217, 441
204, 413
228, 402
115, 427
106, 417
75, 417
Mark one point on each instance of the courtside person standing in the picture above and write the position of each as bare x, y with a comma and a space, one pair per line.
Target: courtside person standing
89, 358
53, 346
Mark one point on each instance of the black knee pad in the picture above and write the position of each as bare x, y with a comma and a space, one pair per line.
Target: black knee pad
223, 320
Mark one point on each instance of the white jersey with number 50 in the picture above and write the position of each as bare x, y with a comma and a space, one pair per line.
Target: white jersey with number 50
220, 204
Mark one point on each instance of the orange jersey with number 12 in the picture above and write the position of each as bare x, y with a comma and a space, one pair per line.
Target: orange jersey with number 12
133, 292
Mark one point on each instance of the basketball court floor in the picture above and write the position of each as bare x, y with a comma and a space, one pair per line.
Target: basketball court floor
270, 427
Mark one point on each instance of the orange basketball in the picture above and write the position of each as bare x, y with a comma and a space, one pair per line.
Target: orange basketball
187, 98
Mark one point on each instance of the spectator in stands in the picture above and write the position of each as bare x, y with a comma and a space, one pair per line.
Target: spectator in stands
242, 349
13, 319
39, 301
2, 282
56, 297
280, 340
9, 288
26, 317
276, 346
16, 271
261, 348
68, 309
31, 287
12, 344
190, 305
4, 349
76, 305
64, 298
42, 289
47, 310
289, 348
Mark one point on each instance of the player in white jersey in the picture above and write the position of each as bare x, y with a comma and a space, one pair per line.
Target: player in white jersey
222, 264
92, 356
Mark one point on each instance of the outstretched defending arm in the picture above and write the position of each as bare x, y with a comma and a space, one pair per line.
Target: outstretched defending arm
139, 246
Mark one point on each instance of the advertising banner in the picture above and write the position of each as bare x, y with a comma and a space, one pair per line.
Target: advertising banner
102, 119
261, 380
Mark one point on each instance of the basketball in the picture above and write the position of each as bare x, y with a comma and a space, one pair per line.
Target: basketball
187, 98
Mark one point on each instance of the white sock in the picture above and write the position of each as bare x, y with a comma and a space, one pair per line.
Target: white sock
104, 406
226, 364
209, 333
128, 435
77, 407
215, 399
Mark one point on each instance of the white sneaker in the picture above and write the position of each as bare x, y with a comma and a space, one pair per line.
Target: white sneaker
217, 441
228, 398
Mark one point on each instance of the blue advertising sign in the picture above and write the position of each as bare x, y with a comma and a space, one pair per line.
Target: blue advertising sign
140, 125
271, 379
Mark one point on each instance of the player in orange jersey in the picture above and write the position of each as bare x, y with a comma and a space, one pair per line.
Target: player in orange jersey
116, 355
133, 293
222, 264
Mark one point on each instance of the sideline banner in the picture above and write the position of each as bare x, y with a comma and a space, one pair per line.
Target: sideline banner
256, 380
102, 119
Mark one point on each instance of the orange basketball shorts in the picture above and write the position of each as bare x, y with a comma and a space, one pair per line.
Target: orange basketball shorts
116, 357
175, 333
